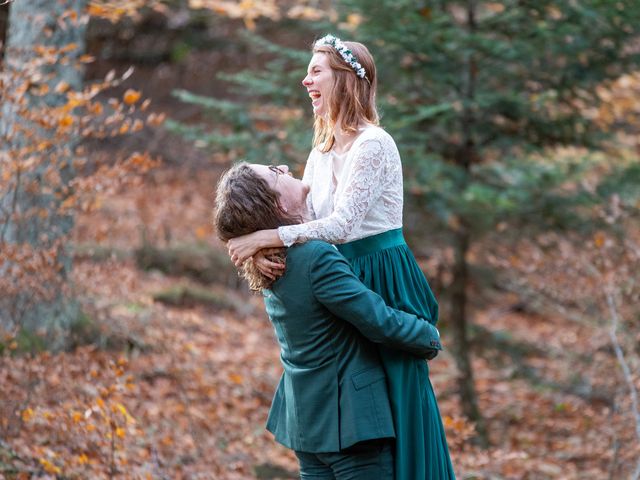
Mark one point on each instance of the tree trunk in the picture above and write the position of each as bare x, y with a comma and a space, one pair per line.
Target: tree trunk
466, 385
466, 155
35, 180
4, 17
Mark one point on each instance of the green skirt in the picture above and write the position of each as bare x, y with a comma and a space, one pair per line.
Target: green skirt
386, 265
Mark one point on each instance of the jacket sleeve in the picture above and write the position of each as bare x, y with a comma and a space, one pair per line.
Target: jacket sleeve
344, 295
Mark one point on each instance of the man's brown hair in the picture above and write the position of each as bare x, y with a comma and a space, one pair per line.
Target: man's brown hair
245, 203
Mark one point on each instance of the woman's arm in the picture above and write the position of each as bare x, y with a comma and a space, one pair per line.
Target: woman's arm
364, 184
241, 248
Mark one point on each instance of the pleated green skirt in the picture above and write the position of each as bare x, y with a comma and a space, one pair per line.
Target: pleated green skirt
386, 265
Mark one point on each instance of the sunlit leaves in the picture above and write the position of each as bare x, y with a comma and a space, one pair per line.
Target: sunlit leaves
66, 121
50, 467
250, 11
27, 414
247, 10
131, 96
116, 10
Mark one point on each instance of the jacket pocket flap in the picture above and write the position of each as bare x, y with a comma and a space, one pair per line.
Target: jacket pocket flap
367, 377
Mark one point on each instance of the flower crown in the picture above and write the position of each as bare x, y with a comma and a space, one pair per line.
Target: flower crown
344, 52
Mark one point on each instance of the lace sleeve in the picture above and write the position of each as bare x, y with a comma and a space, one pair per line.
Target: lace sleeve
363, 186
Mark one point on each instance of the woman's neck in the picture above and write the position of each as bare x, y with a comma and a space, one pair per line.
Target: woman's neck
344, 140
304, 213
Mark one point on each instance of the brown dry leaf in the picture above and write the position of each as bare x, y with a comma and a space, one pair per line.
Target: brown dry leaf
97, 10
203, 232
131, 96
137, 125
62, 87
66, 121
41, 90
156, 119
86, 58
68, 48
96, 108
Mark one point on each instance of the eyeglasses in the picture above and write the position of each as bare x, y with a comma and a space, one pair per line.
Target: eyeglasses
277, 170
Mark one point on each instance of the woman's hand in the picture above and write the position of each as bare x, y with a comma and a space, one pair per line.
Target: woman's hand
270, 266
241, 248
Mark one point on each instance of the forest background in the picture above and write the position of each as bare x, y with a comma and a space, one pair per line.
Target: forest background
129, 347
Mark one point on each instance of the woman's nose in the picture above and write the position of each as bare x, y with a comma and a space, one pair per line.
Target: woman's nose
306, 80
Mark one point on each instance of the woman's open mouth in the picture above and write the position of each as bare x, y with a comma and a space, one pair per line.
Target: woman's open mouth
315, 98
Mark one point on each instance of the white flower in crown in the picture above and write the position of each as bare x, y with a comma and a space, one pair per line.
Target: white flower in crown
346, 54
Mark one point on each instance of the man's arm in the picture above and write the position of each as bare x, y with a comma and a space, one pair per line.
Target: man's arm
343, 294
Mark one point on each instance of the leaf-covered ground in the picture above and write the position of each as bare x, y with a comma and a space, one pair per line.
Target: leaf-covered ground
182, 392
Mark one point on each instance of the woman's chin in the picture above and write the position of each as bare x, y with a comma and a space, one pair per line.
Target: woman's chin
318, 111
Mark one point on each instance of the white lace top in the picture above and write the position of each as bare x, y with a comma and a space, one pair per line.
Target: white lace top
354, 195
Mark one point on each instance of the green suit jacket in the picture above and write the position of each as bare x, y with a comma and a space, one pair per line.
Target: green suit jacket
333, 393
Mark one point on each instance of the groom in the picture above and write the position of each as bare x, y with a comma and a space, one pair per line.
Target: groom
331, 405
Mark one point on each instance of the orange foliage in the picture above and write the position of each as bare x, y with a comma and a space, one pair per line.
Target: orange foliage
131, 96
116, 10
49, 117
251, 10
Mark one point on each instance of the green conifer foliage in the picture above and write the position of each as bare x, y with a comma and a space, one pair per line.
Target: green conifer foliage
272, 122
477, 94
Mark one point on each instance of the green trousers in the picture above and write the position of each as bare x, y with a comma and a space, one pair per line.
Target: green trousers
370, 460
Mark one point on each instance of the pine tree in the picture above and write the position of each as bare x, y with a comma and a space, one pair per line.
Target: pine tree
476, 88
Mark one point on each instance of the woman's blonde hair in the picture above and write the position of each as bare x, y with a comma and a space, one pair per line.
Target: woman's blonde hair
352, 98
